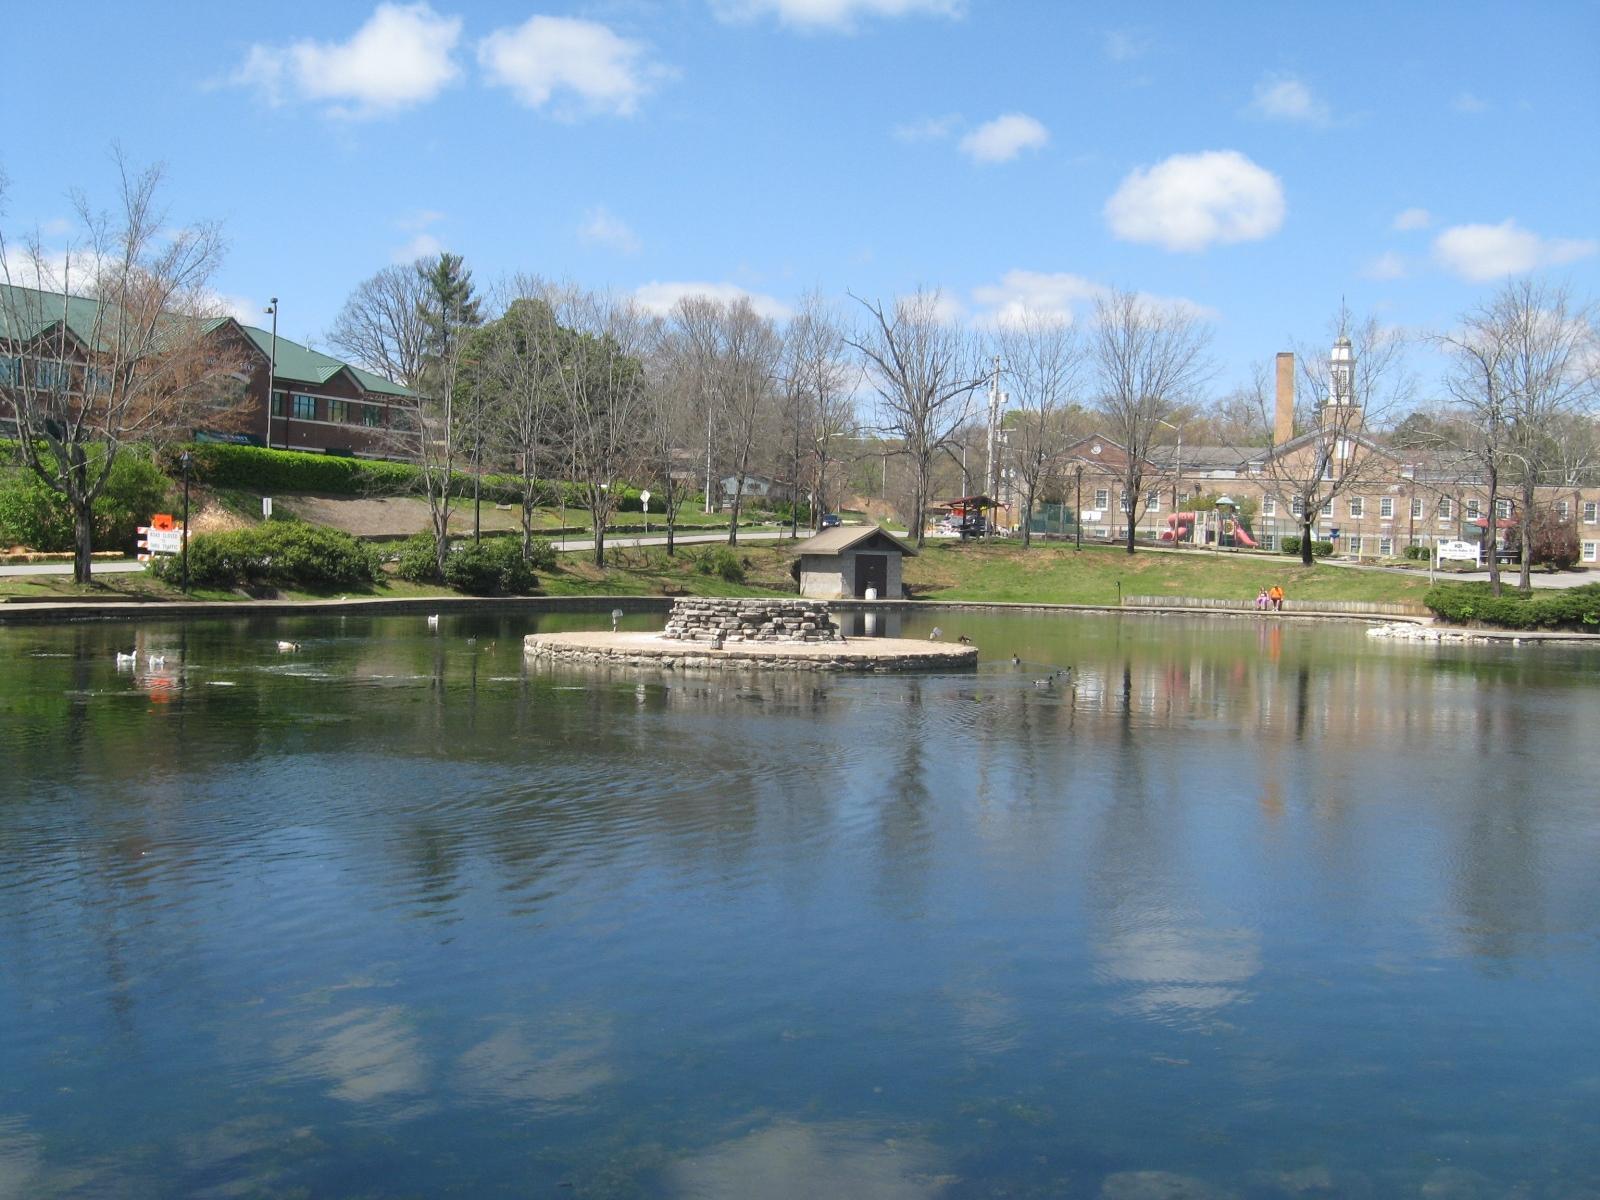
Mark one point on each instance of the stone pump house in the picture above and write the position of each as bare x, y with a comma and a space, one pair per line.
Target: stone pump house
849, 560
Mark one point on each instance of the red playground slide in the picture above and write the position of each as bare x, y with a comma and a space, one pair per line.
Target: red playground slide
1179, 526
1242, 535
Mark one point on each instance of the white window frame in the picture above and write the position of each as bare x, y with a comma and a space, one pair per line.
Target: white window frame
1591, 512
1102, 498
1358, 507
1591, 552
1385, 547
1447, 508
1416, 508
1385, 508
1474, 509
1269, 506
1502, 508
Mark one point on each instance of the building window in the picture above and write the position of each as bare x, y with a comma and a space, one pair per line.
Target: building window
1446, 508
1563, 509
1591, 552
278, 401
1591, 512
1386, 547
371, 415
1297, 506
1122, 501
1327, 509
1358, 507
339, 411
1416, 508
305, 407
1102, 498
1472, 510
1386, 506
1502, 509
1269, 506
1152, 502
1353, 541
10, 369
48, 375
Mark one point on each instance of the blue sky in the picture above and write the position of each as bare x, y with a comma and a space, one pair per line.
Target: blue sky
1260, 162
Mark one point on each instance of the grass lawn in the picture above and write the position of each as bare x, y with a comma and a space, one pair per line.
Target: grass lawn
949, 570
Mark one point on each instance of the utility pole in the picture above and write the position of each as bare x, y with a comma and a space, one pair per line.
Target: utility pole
991, 481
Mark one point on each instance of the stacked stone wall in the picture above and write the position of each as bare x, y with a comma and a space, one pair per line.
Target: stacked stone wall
717, 621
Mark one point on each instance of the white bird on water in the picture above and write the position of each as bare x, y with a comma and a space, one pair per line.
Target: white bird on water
156, 661
433, 621
127, 660
288, 647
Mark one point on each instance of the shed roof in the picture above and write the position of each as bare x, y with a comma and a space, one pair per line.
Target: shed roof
847, 537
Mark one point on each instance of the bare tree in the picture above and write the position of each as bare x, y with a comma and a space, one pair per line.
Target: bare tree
671, 420
1150, 360
924, 369
604, 398
1525, 368
519, 359
124, 352
735, 352
819, 383
1341, 396
381, 326
1043, 362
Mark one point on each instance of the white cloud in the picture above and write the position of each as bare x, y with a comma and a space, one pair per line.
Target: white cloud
929, 129
1412, 218
401, 57
422, 245
1189, 201
1285, 98
1003, 138
545, 58
1387, 265
837, 16
602, 228
659, 297
1124, 45
241, 308
1483, 252
1021, 294
1466, 102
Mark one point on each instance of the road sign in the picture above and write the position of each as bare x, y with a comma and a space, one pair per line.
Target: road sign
644, 501
156, 540
266, 508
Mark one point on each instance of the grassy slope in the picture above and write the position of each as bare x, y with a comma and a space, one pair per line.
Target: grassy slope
944, 571
1060, 575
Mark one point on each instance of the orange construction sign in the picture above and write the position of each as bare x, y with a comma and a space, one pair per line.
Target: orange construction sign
162, 521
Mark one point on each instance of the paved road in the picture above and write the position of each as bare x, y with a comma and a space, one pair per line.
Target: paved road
118, 566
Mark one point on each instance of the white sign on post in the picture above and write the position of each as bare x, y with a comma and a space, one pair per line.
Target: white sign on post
644, 501
1092, 514
159, 541
1459, 552
266, 508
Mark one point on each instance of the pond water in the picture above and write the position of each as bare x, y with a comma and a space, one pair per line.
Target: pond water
1243, 909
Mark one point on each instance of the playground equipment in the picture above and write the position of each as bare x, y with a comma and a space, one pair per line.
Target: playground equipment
1180, 527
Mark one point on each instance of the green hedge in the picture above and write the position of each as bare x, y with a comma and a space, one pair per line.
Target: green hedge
493, 567
1572, 608
273, 471
722, 562
1291, 545
276, 554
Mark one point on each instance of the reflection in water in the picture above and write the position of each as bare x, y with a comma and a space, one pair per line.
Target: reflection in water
1239, 909
792, 1161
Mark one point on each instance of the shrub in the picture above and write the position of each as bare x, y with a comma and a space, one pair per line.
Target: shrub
541, 555
40, 518
722, 562
1291, 545
417, 561
1422, 553
274, 554
489, 568
1572, 608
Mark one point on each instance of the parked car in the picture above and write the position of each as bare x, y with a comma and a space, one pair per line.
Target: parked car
829, 520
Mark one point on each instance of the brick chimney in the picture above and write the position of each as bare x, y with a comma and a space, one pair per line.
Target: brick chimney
1283, 415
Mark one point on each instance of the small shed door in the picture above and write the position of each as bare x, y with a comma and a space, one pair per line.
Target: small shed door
872, 571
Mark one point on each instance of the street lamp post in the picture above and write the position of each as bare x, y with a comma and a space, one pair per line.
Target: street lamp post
272, 375
1077, 506
183, 460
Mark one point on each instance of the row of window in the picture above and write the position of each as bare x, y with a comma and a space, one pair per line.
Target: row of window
51, 375
340, 412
